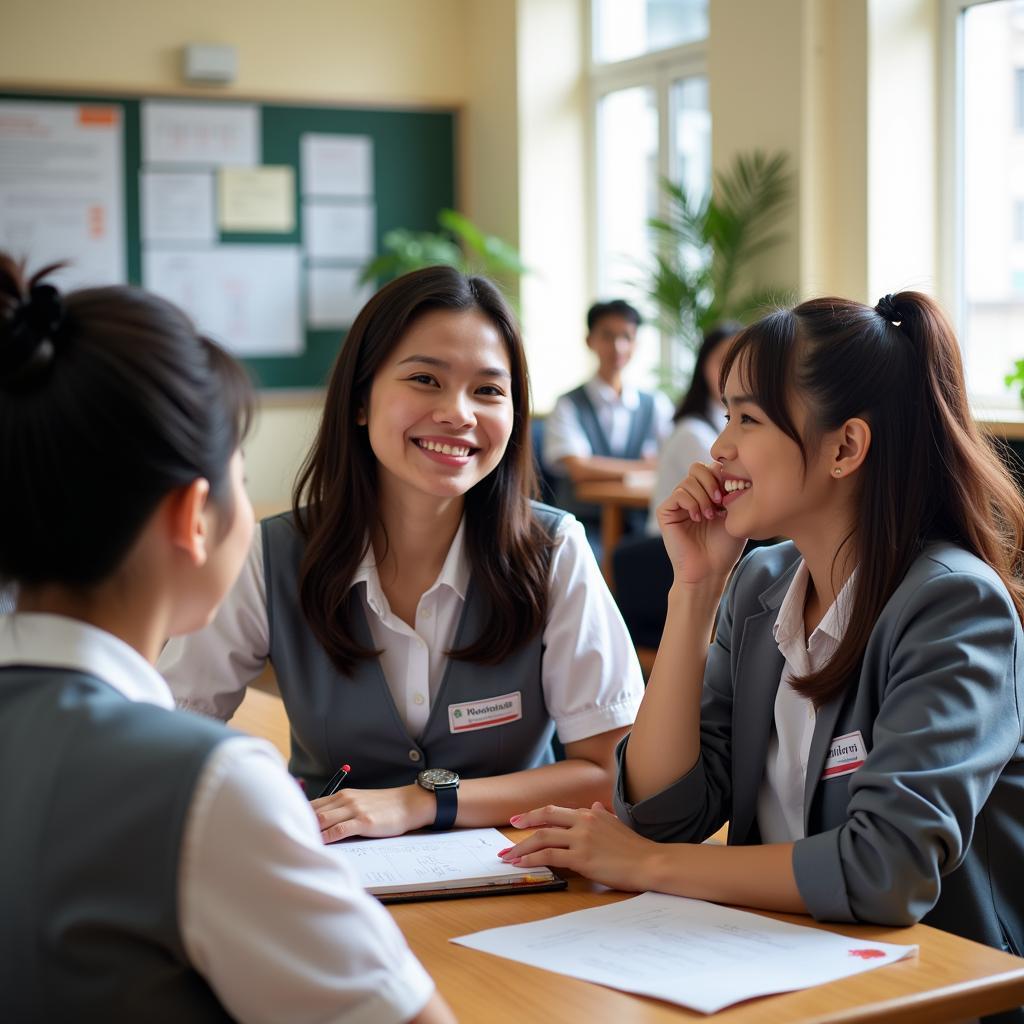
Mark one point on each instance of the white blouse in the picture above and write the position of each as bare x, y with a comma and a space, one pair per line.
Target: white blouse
277, 924
590, 674
780, 801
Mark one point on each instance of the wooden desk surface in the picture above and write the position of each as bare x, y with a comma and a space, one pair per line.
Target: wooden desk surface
951, 980
615, 492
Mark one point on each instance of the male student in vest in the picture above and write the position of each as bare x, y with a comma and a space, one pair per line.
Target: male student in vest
605, 428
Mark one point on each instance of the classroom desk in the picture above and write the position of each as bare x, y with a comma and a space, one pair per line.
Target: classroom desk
613, 496
952, 979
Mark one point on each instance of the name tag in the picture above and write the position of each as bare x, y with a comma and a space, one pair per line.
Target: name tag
485, 714
845, 755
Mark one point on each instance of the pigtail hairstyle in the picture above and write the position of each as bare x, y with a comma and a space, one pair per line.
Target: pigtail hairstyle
109, 399
928, 474
336, 496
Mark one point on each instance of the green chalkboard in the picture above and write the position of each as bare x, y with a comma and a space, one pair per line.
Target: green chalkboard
413, 177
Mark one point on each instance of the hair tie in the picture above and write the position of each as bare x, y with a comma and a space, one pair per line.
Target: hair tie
32, 334
888, 310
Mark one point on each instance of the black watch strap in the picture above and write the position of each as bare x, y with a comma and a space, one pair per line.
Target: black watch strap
447, 806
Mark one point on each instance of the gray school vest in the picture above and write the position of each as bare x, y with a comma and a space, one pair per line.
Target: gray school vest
352, 719
89, 852
640, 430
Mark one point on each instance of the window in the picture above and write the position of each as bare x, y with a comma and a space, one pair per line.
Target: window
1019, 95
650, 121
989, 177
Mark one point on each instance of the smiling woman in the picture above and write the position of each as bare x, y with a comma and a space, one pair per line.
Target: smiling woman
420, 611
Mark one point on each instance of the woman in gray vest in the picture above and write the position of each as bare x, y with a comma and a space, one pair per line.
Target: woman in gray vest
157, 866
428, 624
857, 717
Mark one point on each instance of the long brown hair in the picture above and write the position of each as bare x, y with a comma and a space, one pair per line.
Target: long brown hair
928, 475
336, 498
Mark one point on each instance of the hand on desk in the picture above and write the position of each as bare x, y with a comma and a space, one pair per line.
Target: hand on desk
590, 841
374, 812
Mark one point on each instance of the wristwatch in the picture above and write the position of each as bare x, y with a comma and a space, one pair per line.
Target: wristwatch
444, 784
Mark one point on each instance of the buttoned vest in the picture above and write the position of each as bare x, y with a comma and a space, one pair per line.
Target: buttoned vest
94, 795
351, 718
641, 429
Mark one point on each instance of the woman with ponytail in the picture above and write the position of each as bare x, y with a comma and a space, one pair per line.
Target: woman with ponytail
857, 716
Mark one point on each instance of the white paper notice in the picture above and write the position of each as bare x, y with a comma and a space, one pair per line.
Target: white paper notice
339, 231
257, 199
699, 955
205, 134
61, 189
335, 296
337, 165
244, 296
177, 207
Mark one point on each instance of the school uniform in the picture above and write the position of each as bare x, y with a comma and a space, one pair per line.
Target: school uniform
412, 707
160, 867
594, 419
689, 442
912, 802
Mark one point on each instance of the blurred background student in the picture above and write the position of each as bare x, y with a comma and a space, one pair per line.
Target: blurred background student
605, 428
642, 571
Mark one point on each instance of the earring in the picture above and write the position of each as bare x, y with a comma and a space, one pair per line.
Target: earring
838, 471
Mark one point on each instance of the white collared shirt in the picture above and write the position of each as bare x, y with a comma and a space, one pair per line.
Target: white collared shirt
279, 928
780, 800
690, 442
564, 436
590, 675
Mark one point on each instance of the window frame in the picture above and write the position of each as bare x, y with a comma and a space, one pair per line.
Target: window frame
950, 261
656, 70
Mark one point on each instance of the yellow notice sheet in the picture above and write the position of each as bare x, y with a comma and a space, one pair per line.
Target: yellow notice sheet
256, 199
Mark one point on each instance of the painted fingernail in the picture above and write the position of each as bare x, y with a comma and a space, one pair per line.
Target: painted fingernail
718, 496
515, 819
709, 513
501, 853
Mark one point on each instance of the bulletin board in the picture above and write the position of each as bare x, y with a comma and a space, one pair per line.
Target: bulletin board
274, 215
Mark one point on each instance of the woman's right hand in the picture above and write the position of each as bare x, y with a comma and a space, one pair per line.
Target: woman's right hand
692, 522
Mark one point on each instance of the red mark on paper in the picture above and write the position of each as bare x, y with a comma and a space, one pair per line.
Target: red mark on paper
867, 954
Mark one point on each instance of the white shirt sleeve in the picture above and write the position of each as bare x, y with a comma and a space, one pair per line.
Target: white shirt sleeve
279, 926
691, 442
563, 436
591, 677
209, 670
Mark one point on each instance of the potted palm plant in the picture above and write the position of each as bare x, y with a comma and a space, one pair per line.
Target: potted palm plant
705, 245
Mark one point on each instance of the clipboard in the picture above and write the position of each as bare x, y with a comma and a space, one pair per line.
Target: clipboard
517, 888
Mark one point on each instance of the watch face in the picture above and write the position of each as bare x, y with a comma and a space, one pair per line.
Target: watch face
431, 777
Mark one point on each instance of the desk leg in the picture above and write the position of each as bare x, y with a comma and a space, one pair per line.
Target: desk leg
611, 534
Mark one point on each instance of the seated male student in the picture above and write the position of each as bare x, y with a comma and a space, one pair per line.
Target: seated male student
605, 428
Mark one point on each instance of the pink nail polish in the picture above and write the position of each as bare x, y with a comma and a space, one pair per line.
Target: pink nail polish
515, 819
501, 853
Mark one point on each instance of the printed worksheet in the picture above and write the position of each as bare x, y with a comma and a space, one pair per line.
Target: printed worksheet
699, 955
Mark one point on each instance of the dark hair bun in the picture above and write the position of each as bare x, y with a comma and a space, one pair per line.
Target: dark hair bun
29, 336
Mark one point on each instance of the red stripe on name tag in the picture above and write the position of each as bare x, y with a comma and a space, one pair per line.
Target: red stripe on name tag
840, 768
484, 725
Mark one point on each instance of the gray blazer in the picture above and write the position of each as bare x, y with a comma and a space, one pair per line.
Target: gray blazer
932, 825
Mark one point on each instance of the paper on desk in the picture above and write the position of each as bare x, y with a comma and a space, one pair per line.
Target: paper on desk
411, 863
699, 955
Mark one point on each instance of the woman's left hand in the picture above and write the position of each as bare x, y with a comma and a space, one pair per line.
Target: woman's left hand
590, 841
374, 812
